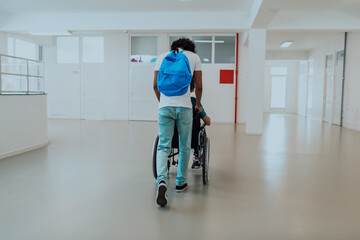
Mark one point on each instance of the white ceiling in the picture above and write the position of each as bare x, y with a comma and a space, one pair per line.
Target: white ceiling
319, 5
302, 40
62, 6
178, 15
308, 23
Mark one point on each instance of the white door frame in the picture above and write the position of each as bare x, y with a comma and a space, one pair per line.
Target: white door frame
326, 86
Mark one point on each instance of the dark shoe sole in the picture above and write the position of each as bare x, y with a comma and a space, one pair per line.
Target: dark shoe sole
161, 198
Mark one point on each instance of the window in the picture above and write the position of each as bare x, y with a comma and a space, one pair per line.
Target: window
173, 38
225, 49
329, 61
278, 86
26, 49
23, 49
93, 49
339, 58
203, 47
279, 71
67, 49
143, 49
278, 91
213, 49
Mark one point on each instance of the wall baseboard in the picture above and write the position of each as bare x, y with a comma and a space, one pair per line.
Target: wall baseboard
352, 127
20, 151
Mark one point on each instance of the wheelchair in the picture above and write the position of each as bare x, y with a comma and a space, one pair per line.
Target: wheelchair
200, 143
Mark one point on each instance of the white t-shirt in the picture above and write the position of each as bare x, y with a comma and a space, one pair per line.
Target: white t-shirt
183, 100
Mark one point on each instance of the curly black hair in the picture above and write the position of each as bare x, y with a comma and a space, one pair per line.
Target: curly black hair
183, 43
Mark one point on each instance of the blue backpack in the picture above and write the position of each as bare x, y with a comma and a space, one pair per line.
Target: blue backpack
174, 75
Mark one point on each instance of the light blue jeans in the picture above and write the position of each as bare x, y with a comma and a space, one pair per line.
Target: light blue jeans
168, 116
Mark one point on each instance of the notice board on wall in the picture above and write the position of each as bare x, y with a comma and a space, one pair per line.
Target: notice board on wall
226, 76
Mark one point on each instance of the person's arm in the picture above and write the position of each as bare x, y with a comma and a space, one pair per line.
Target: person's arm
207, 120
198, 89
157, 93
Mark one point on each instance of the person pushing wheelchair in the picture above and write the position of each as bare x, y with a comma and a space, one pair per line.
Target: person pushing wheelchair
173, 74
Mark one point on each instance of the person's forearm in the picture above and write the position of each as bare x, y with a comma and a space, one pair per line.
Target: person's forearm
207, 120
198, 86
198, 94
157, 93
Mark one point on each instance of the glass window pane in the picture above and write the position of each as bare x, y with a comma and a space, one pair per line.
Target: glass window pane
26, 49
67, 49
13, 65
143, 49
203, 47
224, 49
13, 83
278, 90
173, 38
36, 69
278, 70
36, 84
93, 49
329, 61
339, 58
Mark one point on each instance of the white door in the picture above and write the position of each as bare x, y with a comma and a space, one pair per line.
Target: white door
329, 80
309, 88
143, 102
336, 113
92, 91
278, 93
92, 77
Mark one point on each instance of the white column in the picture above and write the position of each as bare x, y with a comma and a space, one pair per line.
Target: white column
255, 84
242, 81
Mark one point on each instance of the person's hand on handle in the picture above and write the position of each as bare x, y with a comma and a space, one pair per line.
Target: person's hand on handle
198, 108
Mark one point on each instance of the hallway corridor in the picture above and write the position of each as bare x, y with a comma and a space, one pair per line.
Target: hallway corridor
299, 180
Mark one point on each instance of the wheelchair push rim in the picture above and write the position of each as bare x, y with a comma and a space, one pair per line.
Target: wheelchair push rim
156, 143
205, 159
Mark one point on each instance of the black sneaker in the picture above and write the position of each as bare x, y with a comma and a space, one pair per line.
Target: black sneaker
196, 164
181, 188
175, 163
161, 197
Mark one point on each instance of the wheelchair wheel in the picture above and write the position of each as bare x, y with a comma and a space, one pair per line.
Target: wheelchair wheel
206, 157
155, 147
156, 143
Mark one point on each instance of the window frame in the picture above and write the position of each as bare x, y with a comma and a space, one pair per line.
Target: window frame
213, 35
143, 35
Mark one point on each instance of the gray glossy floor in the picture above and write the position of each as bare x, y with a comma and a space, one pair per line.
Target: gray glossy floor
300, 180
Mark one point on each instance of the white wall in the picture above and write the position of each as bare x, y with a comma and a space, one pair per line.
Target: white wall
287, 55
318, 57
302, 88
218, 99
352, 83
3, 43
291, 85
242, 82
23, 123
116, 71
63, 83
